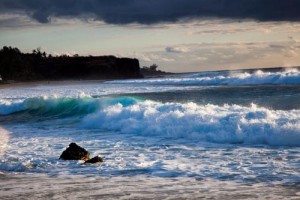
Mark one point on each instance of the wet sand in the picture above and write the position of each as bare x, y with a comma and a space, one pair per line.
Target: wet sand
35, 186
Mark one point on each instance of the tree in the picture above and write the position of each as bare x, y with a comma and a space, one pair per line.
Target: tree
153, 67
38, 52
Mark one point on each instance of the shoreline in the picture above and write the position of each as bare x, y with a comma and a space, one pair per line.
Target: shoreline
14, 84
19, 84
19, 186
153, 156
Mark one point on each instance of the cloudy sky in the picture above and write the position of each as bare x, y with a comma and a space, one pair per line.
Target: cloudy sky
178, 35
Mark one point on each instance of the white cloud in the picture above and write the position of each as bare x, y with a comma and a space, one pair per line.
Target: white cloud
16, 20
200, 58
220, 55
290, 52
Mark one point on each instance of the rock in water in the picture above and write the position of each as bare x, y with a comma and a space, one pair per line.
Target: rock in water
96, 159
75, 152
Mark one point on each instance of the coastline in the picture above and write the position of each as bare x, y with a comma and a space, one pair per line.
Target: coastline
20, 186
19, 84
13, 83
167, 162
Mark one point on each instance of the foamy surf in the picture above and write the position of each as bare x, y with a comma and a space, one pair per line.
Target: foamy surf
258, 77
224, 133
4, 138
211, 123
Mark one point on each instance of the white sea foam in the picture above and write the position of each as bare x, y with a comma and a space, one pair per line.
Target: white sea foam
213, 123
4, 138
221, 124
259, 77
84, 89
151, 138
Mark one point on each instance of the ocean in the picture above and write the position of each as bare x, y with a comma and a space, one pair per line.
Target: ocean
212, 135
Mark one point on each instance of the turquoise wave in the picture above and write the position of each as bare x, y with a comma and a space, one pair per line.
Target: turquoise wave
63, 106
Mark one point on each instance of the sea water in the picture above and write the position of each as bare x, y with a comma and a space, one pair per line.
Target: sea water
228, 134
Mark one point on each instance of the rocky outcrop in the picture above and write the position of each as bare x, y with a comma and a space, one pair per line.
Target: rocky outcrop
18, 66
75, 152
96, 159
92, 67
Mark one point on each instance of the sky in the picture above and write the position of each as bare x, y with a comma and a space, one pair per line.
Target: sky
177, 35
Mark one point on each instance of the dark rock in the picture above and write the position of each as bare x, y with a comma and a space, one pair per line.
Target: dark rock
96, 159
75, 152
18, 66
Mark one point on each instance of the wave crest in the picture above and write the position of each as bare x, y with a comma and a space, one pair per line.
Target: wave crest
207, 123
220, 124
259, 77
61, 105
49, 106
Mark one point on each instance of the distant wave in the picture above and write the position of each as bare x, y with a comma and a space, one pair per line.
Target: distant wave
209, 123
259, 77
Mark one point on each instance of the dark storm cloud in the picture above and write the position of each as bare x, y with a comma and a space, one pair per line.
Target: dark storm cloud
155, 11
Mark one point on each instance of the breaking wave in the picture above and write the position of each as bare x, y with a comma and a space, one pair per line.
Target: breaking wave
48, 106
220, 124
59, 105
191, 121
259, 77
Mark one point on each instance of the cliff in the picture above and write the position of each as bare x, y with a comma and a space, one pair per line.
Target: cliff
15, 65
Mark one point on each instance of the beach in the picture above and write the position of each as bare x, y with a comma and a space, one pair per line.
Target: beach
211, 135
94, 187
